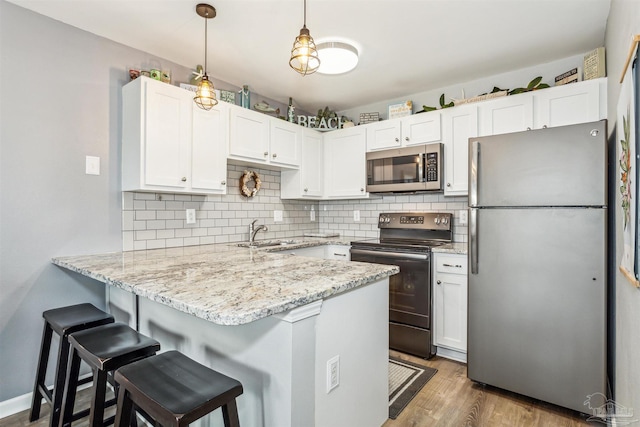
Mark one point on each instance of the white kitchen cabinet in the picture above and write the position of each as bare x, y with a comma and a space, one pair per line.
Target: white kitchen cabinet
258, 139
450, 305
505, 115
568, 104
345, 165
459, 124
306, 182
412, 130
167, 144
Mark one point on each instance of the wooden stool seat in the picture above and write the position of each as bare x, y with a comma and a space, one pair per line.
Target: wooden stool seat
63, 321
105, 349
175, 391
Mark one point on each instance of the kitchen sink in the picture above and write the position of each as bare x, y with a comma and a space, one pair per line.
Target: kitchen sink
268, 243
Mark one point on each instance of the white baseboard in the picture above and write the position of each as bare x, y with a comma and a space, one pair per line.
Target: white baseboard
448, 353
20, 403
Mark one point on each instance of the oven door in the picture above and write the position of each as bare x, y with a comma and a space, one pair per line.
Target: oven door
409, 290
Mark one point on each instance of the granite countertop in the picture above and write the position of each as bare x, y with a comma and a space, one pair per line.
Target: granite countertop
451, 248
228, 284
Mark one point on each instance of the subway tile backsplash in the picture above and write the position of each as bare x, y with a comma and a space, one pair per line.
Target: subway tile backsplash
151, 220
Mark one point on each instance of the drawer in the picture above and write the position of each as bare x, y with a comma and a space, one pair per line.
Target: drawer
452, 264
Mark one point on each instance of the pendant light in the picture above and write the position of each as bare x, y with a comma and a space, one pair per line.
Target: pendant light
205, 95
304, 55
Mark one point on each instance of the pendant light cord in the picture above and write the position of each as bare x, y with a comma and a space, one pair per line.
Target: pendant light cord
304, 24
206, 18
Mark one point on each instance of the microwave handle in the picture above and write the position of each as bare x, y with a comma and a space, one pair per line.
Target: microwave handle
421, 176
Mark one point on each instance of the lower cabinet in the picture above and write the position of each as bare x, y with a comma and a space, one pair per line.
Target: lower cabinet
450, 305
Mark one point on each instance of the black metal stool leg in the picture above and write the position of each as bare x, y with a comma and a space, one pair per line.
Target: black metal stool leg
230, 414
41, 374
70, 389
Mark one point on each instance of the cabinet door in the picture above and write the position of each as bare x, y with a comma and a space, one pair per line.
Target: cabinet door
385, 134
168, 135
345, 164
421, 128
249, 135
567, 105
460, 124
505, 115
285, 143
311, 166
450, 301
209, 149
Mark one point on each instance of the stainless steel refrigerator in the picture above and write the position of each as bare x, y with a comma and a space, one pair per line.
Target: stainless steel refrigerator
538, 257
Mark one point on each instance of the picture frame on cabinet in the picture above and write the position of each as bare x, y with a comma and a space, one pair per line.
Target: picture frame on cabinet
402, 109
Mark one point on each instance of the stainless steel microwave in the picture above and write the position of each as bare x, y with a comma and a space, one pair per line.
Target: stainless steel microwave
407, 169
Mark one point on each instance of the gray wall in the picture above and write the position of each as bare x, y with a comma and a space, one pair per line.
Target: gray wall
623, 22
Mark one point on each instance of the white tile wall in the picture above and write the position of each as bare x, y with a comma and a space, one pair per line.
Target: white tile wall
151, 220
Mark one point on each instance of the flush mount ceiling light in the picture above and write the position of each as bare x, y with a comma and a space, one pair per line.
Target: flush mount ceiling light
205, 95
304, 56
337, 57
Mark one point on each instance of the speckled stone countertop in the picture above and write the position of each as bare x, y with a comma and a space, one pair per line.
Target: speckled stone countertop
451, 248
227, 284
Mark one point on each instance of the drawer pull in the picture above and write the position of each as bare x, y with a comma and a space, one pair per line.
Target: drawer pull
337, 254
451, 265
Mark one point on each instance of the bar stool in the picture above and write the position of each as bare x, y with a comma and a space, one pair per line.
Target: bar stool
105, 349
63, 321
174, 391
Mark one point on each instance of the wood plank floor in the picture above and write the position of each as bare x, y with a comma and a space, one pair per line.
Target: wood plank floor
449, 399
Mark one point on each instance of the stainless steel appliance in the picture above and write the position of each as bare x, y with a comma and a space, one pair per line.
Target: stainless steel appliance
408, 169
406, 240
537, 251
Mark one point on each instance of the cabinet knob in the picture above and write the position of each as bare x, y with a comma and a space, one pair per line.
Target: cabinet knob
361, 189
224, 183
544, 126
184, 179
528, 128
406, 138
439, 282
306, 189
397, 139
274, 155
266, 153
448, 184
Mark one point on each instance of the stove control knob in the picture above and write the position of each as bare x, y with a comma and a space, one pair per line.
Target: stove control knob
381, 219
387, 220
437, 220
445, 220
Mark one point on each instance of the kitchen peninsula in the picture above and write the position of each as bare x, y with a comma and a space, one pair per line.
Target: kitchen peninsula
273, 321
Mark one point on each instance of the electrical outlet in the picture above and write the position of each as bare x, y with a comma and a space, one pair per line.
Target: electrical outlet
191, 216
464, 217
312, 215
356, 215
333, 373
277, 216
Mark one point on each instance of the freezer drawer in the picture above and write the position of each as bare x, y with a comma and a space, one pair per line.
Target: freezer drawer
537, 303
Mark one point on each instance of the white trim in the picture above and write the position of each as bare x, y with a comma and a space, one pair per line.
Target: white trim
301, 313
449, 353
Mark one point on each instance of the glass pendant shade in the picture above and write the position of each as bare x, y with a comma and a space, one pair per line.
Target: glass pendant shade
205, 94
304, 55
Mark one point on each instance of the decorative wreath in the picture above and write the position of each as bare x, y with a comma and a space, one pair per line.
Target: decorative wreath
257, 183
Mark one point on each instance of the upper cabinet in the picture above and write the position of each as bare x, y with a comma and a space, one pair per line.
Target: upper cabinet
306, 182
556, 106
412, 130
168, 144
458, 125
345, 165
569, 104
262, 140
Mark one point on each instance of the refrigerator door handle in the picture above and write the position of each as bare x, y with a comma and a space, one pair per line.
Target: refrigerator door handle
473, 173
473, 240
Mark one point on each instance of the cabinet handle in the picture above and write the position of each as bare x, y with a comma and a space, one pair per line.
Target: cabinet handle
439, 282
397, 139
528, 128
184, 179
448, 184
361, 189
337, 254
544, 126
224, 183
306, 189
451, 265
274, 155
266, 153
406, 138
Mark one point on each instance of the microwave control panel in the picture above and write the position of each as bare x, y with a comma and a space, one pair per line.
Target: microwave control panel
431, 167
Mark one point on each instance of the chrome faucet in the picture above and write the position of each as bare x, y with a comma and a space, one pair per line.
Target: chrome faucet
253, 230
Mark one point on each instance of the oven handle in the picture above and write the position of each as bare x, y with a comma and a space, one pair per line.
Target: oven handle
397, 255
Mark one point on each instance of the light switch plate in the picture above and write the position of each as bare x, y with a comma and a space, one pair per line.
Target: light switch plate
356, 216
92, 165
464, 217
191, 216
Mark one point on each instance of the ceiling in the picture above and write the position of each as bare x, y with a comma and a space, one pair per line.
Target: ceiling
406, 46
